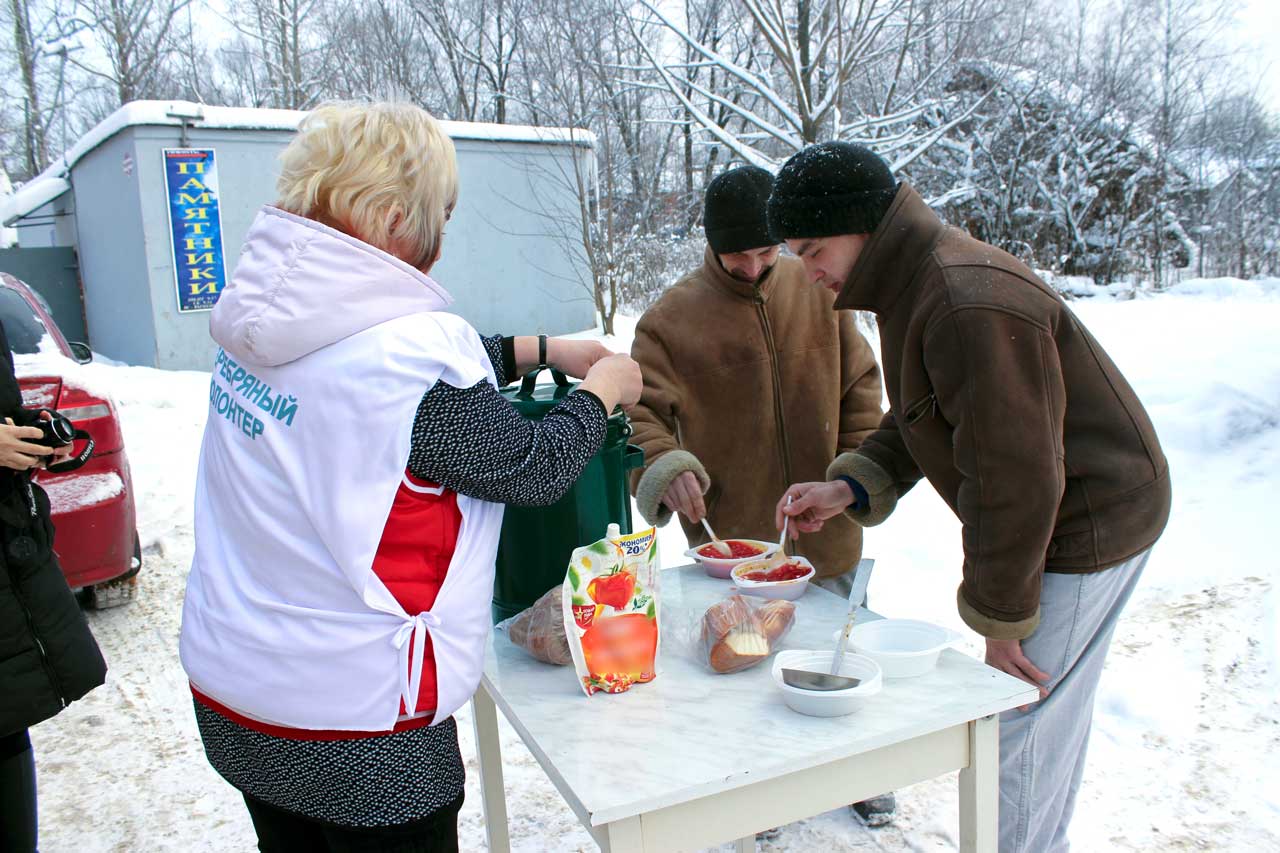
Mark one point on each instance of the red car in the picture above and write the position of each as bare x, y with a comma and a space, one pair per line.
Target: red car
93, 512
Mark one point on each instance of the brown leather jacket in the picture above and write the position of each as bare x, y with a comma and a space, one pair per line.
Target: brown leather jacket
1011, 409
752, 388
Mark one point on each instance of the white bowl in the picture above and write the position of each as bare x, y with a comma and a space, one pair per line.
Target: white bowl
826, 703
719, 567
790, 590
904, 648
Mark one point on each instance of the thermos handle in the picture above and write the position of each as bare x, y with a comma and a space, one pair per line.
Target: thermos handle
633, 458
531, 380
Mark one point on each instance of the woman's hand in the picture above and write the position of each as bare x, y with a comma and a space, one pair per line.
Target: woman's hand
616, 380
575, 358
1007, 656
17, 453
811, 505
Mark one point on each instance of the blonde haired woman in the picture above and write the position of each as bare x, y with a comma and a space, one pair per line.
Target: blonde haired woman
354, 467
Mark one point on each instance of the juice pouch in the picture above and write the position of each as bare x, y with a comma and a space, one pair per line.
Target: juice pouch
611, 611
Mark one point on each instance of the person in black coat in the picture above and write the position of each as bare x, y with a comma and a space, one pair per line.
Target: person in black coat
48, 657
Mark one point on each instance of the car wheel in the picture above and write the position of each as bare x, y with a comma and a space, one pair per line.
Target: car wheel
119, 591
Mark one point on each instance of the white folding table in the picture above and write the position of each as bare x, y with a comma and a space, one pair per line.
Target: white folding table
694, 759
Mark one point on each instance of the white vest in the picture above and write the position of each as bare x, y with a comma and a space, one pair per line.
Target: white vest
284, 620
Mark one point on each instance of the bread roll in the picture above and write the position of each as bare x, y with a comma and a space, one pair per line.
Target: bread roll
776, 617
724, 616
539, 630
742, 647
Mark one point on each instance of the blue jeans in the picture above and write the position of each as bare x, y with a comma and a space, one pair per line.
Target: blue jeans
1042, 750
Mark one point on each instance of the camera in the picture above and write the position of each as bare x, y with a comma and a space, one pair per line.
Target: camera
58, 431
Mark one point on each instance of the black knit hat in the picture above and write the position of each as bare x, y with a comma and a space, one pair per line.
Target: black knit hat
733, 212
829, 189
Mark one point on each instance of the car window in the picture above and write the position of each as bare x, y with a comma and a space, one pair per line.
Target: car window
21, 325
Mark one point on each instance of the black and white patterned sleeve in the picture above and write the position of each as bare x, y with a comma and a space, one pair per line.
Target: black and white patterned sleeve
502, 353
472, 440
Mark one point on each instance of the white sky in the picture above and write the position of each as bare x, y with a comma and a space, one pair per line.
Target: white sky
1259, 31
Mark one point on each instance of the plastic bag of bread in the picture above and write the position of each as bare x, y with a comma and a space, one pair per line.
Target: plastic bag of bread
539, 630
739, 632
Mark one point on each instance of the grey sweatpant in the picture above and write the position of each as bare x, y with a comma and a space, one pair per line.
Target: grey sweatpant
1042, 750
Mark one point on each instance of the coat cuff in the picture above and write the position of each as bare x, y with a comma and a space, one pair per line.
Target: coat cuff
658, 476
881, 492
995, 629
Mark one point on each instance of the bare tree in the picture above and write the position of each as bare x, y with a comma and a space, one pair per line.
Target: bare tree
1238, 174
40, 52
713, 23
480, 41
830, 70
136, 37
1184, 38
387, 53
1101, 137
1054, 167
579, 58
280, 56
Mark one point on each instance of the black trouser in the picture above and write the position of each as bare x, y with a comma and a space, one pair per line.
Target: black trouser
17, 794
280, 831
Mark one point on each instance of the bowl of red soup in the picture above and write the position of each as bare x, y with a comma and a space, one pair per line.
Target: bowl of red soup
767, 579
741, 551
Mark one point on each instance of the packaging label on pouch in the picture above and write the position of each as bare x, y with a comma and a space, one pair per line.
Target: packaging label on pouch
611, 612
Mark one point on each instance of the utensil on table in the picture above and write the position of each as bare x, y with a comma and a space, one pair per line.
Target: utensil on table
778, 557
716, 541
786, 519
808, 680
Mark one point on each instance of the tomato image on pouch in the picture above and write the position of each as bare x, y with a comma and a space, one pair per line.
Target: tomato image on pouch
614, 590
621, 648
610, 603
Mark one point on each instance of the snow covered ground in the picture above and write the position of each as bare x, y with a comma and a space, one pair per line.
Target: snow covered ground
1186, 725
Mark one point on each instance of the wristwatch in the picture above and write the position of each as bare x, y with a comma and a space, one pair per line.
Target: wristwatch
542, 352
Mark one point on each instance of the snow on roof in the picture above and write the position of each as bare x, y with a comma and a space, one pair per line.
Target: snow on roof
8, 236
34, 194
53, 182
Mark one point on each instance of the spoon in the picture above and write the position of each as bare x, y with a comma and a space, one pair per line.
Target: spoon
806, 680
716, 541
778, 557
782, 540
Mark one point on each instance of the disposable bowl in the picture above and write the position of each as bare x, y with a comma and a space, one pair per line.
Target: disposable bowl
903, 648
789, 589
828, 703
720, 567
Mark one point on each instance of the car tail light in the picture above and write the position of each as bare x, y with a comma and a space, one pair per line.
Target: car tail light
92, 414
84, 413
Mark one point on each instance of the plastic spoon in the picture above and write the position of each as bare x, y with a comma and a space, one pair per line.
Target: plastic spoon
716, 541
782, 540
778, 557
806, 680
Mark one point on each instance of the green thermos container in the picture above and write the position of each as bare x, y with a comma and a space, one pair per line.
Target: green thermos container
535, 544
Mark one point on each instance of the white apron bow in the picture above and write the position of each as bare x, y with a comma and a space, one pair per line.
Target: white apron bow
411, 670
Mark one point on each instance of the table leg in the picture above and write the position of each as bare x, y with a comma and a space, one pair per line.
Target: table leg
623, 836
980, 788
484, 716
